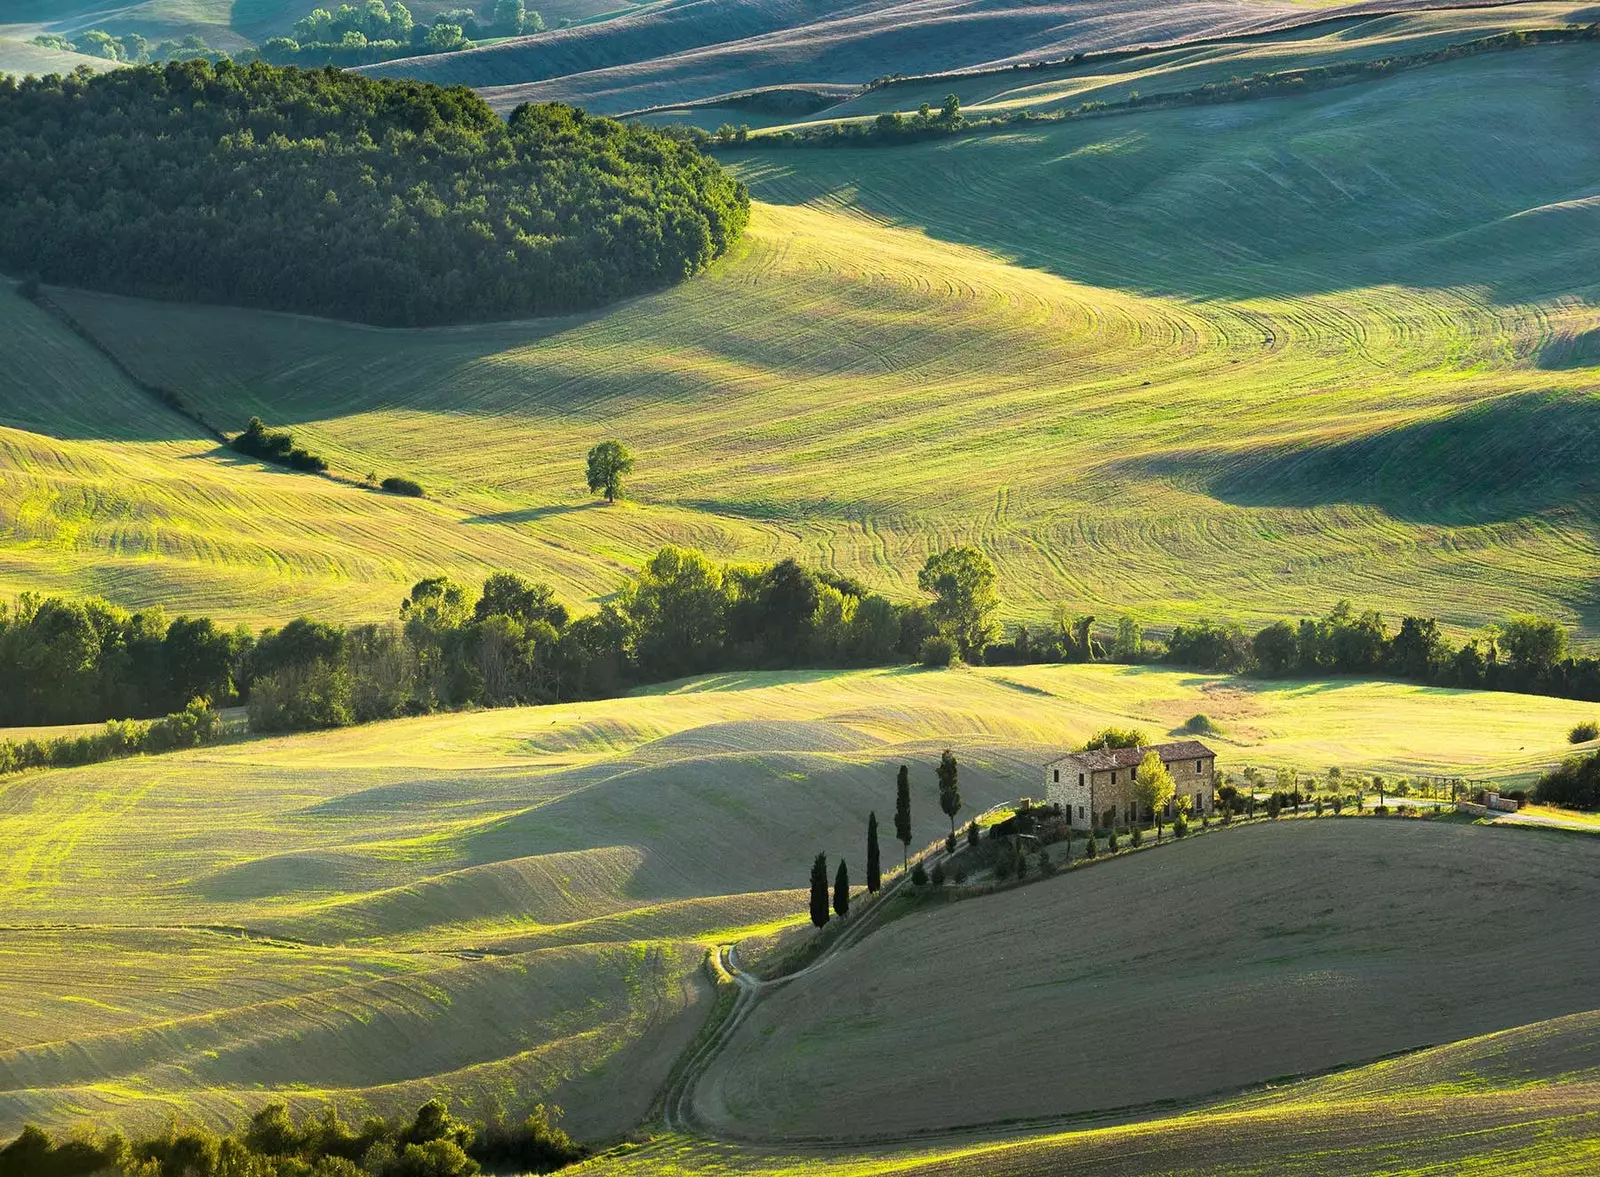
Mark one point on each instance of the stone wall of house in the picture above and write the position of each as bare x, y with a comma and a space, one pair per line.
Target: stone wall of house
1061, 787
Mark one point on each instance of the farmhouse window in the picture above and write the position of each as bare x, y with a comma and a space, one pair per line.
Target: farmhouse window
1196, 768
1080, 785
1080, 813
1058, 776
1113, 778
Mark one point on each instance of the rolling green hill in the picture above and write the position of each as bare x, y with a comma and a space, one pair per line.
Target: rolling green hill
516, 903
1517, 1101
1258, 953
1244, 360
687, 51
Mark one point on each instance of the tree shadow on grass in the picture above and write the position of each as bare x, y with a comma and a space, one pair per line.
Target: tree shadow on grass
1506, 459
533, 514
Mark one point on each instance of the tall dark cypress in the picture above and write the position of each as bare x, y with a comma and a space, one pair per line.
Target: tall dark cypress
841, 891
902, 813
819, 890
874, 874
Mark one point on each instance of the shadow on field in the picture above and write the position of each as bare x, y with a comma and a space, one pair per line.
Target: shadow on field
533, 514
1453, 176
1506, 459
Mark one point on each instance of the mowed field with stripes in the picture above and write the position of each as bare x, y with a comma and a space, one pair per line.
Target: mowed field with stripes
515, 905
1242, 360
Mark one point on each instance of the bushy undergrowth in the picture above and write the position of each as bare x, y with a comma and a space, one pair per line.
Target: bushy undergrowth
276, 446
1574, 783
195, 725
431, 1144
391, 202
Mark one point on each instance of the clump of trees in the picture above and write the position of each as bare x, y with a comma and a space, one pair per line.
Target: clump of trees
379, 31
68, 662
1574, 783
330, 193
132, 48
433, 1143
277, 446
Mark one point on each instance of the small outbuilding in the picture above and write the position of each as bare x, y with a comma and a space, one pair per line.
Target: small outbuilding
1095, 787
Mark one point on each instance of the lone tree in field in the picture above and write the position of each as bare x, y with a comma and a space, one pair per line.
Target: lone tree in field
902, 813
608, 463
962, 582
841, 891
874, 873
949, 789
1153, 787
819, 890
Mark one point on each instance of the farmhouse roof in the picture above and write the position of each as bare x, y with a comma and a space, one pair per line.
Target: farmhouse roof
1098, 759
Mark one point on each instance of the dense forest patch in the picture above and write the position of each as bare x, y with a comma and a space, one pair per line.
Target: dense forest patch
398, 203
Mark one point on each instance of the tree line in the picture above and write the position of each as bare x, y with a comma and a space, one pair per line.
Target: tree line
131, 48
329, 193
513, 642
948, 774
377, 31
892, 128
433, 1143
65, 661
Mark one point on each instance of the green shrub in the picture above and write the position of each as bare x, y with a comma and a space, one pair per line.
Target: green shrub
1317, 808
950, 844
919, 875
1115, 737
938, 652
973, 833
1111, 841
1137, 838
1583, 732
1092, 850
1201, 725
938, 874
402, 486
1180, 826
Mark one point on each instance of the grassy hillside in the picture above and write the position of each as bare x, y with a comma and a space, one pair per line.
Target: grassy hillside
1186, 67
1242, 360
686, 51
521, 899
20, 58
1517, 1101
1240, 957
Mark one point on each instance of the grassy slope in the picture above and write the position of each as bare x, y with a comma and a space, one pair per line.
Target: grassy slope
223, 23
1514, 1102
1187, 67
688, 51
1335, 351
589, 850
1263, 952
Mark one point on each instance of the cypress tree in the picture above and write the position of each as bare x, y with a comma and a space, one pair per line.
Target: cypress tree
902, 813
819, 890
949, 789
874, 874
841, 891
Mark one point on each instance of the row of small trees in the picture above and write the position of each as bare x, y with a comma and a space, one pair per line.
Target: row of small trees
948, 773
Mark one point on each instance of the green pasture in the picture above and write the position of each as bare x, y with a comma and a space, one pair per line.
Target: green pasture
1234, 361
521, 899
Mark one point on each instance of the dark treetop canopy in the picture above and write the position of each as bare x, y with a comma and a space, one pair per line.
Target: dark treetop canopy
329, 193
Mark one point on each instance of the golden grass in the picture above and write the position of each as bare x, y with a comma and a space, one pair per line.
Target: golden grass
1517, 1102
1328, 352
522, 898
1231, 958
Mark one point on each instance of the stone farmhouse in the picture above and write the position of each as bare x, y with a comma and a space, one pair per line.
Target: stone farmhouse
1095, 787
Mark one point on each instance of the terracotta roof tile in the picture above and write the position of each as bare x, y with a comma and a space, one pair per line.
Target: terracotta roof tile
1099, 759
